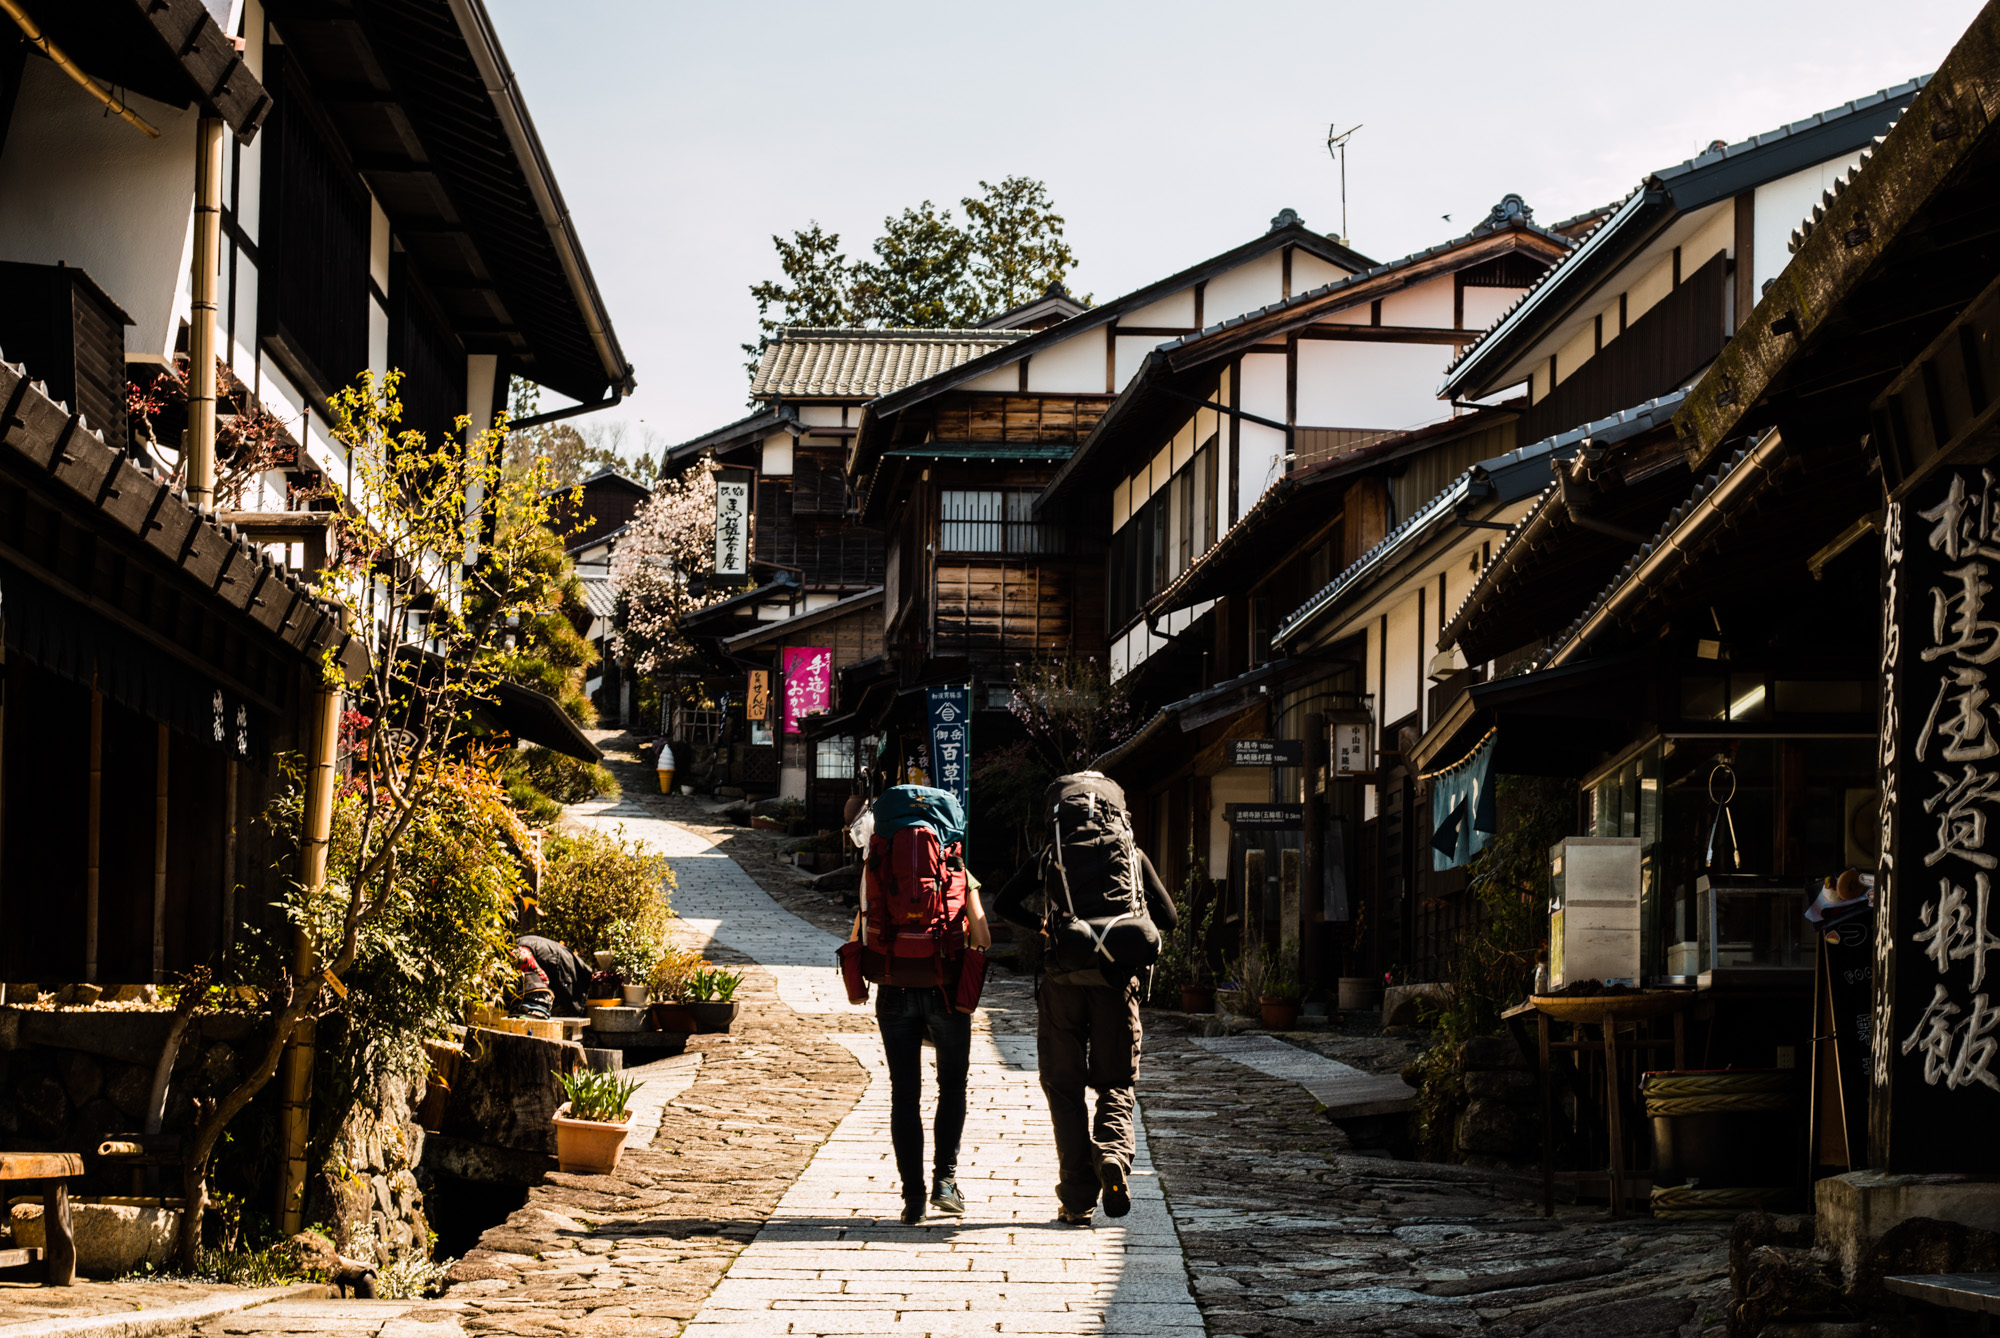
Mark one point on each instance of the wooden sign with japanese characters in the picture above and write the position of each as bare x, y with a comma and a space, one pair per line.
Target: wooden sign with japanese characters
1936, 1034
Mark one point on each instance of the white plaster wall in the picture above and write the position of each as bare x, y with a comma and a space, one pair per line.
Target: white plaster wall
1258, 446
1361, 313
1121, 504
1483, 306
482, 370
1371, 678
1074, 365
1645, 292
1375, 385
1578, 349
1715, 231
1399, 693
378, 332
1424, 304
1310, 272
378, 244
777, 455
792, 783
1175, 309
1252, 284
828, 415
1781, 206
1000, 378
86, 189
1132, 351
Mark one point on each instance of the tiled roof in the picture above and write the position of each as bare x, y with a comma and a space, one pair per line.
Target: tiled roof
600, 594
866, 363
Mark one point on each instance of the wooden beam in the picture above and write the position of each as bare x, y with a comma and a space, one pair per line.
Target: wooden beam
1390, 334
1746, 256
160, 787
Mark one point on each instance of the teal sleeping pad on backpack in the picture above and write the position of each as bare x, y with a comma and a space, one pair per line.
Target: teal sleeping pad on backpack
907, 806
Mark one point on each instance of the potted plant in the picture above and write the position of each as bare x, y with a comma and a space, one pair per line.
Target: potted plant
635, 954
1188, 944
712, 998
671, 984
592, 1123
1279, 1000
605, 990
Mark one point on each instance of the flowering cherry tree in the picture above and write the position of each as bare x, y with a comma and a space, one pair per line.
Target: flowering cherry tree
664, 569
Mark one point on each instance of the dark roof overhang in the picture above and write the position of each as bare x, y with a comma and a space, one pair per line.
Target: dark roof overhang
429, 110
743, 432
170, 50
769, 632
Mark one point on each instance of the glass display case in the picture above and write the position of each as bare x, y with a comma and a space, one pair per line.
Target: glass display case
1746, 924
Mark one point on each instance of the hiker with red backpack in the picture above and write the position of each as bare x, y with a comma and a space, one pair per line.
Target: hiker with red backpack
920, 935
1102, 909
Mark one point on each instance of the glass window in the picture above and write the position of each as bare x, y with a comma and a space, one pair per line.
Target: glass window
833, 759
997, 520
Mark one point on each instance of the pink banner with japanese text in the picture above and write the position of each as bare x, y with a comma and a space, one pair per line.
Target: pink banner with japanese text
808, 683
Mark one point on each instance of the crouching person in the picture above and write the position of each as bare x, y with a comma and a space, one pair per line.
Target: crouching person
1099, 906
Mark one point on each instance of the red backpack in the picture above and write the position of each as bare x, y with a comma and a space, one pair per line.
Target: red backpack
914, 901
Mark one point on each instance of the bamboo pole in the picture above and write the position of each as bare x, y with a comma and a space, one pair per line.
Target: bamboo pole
296, 1109
94, 834
160, 857
38, 39
200, 439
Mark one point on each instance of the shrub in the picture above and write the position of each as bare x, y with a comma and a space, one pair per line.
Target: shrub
634, 950
673, 979
596, 1095
593, 879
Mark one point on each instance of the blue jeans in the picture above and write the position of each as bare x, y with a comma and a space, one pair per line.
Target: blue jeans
906, 1017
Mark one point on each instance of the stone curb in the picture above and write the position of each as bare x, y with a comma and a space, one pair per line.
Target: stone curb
169, 1320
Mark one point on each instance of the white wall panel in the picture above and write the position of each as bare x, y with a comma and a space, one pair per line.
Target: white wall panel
1645, 291
1483, 306
1361, 313
1001, 378
1716, 232
1581, 347
1076, 365
1310, 272
1254, 283
828, 415
777, 455
1176, 309
1374, 385
1132, 351
1425, 304
1399, 693
1236, 785
1783, 205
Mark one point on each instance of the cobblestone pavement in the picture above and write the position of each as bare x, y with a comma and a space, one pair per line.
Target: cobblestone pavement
1287, 1231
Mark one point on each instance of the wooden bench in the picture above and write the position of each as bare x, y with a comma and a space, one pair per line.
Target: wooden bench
53, 1169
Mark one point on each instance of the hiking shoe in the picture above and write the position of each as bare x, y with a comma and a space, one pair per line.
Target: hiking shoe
1081, 1217
946, 1198
1117, 1198
913, 1212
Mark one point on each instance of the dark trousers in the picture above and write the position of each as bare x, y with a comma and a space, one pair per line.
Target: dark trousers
906, 1017
1088, 1036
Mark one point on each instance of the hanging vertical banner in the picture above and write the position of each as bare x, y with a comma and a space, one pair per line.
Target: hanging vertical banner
1936, 1027
808, 683
732, 528
951, 740
758, 705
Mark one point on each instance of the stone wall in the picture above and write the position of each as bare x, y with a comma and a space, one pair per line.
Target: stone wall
368, 1173
1501, 1122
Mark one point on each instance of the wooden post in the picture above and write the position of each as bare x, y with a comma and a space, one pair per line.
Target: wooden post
1548, 1120
1253, 901
160, 857
58, 1233
1291, 947
93, 834
1614, 1116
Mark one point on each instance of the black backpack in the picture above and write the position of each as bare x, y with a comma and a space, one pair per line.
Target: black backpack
1095, 922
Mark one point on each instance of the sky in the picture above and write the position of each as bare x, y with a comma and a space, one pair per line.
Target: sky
684, 135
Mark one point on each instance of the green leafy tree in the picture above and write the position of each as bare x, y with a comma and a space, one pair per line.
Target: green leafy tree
816, 290
922, 275
572, 452
1016, 236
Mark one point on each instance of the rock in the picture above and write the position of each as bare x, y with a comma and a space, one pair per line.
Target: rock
1498, 1128
82, 1077
1501, 1084
1490, 1052
128, 1089
111, 1239
769, 808
1644, 1317
505, 1094
42, 1107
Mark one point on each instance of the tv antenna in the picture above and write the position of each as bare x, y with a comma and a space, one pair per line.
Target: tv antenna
1336, 147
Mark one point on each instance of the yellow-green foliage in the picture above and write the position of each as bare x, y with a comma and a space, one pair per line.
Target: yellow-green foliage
593, 879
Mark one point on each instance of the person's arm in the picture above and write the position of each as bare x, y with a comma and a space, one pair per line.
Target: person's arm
978, 934
1012, 903
854, 934
1159, 905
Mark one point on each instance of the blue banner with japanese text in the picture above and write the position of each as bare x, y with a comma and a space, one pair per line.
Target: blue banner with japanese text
951, 741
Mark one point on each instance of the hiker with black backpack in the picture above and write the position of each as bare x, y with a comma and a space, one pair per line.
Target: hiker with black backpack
919, 934
1102, 908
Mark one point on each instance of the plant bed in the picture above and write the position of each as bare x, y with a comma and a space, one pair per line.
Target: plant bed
671, 1015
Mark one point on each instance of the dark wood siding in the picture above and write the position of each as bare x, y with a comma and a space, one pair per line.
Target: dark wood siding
1010, 607
825, 551
313, 291
1018, 418
427, 354
59, 324
1679, 336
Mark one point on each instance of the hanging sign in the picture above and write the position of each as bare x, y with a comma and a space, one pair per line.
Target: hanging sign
732, 528
758, 705
1347, 746
1935, 1038
1267, 817
808, 683
1267, 752
951, 739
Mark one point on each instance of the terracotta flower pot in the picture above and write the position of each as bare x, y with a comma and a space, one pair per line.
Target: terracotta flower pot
712, 1016
667, 1016
1279, 1014
1197, 999
588, 1147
